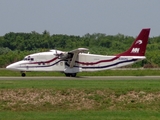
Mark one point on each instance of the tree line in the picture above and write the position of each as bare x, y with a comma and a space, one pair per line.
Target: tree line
14, 46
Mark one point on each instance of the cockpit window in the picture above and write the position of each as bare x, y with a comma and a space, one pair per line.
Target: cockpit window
25, 59
28, 59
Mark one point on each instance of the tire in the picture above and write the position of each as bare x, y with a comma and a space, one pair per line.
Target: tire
73, 74
23, 74
70, 74
67, 74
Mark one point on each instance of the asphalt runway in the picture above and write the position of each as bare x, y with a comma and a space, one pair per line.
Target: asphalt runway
84, 78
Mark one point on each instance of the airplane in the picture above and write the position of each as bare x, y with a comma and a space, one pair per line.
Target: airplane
80, 60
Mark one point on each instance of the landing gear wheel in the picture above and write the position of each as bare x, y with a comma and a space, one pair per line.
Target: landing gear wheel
73, 74
67, 74
70, 74
23, 74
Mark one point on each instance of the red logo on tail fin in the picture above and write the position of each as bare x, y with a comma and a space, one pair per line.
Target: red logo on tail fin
138, 47
139, 42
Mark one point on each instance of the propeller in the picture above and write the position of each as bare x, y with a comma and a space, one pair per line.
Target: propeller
66, 56
63, 55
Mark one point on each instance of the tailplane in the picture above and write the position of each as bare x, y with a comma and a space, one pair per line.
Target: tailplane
138, 48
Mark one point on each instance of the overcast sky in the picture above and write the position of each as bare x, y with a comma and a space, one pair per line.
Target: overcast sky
79, 17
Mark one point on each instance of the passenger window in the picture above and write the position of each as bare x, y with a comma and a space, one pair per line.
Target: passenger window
32, 59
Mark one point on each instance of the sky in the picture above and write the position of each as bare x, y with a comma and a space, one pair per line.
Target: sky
79, 17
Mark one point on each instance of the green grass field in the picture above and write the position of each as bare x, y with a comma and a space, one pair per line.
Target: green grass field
138, 72
81, 115
79, 99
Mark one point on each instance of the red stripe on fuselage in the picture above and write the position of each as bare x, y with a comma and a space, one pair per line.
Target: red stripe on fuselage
93, 63
83, 63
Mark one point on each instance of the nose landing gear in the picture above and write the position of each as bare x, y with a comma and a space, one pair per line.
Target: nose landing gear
23, 74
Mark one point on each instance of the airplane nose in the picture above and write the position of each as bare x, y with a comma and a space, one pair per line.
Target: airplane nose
15, 66
10, 67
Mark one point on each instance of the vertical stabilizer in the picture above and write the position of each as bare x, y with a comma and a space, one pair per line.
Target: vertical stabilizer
138, 48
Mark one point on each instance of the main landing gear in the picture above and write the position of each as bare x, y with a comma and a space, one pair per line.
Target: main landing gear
70, 74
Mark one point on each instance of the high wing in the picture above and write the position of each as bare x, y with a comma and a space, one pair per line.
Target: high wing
75, 55
71, 56
80, 50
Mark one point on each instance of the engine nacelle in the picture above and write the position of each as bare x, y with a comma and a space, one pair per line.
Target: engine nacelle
66, 56
56, 51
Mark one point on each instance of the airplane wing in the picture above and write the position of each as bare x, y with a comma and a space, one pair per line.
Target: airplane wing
79, 50
75, 53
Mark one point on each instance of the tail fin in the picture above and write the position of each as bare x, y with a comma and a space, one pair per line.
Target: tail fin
138, 48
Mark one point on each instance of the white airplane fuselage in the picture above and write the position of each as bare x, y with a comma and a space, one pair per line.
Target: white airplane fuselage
48, 61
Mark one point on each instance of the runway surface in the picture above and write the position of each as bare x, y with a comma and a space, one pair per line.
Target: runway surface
85, 78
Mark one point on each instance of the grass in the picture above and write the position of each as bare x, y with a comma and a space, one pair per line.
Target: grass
83, 115
138, 72
79, 99
117, 85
